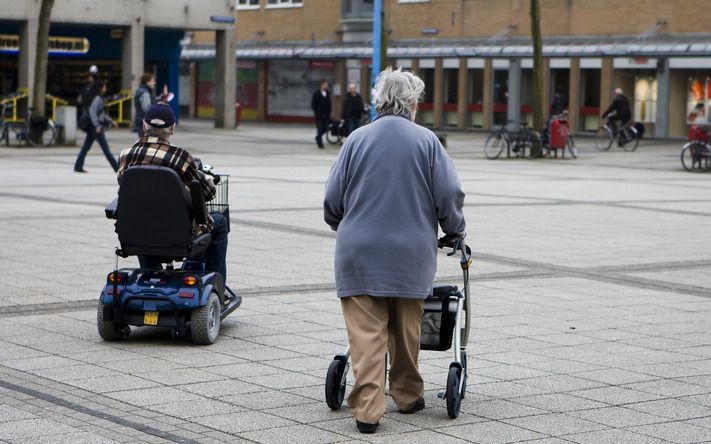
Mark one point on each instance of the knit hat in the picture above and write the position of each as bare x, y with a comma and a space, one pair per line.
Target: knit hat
160, 116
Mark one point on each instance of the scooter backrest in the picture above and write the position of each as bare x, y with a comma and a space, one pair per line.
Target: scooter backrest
154, 211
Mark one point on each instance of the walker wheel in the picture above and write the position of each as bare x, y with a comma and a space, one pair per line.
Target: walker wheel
454, 400
335, 384
464, 372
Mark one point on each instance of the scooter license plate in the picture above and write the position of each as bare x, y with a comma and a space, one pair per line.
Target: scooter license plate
150, 318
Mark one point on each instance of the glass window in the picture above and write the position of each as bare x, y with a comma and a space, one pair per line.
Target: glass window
475, 89
248, 4
427, 76
284, 3
451, 83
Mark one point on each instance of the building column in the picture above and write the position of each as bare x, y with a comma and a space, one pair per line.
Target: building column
365, 85
263, 67
661, 124
462, 93
438, 96
415, 66
607, 79
488, 99
514, 90
225, 78
342, 81
574, 95
26, 58
546, 88
132, 56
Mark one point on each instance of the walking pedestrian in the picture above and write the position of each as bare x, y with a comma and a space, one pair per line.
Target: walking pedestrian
390, 186
93, 121
321, 106
353, 109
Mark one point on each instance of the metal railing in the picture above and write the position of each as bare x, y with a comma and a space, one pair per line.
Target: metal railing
12, 103
120, 109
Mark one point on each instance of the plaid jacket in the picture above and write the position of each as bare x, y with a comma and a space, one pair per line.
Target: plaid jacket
159, 152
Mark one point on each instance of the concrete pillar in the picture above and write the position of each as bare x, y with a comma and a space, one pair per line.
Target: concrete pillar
438, 93
132, 56
514, 98
225, 78
364, 83
546, 87
488, 99
26, 59
193, 90
607, 77
263, 67
462, 93
574, 95
342, 80
661, 125
415, 66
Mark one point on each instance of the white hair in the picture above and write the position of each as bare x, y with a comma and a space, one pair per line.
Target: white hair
618, 91
163, 133
397, 92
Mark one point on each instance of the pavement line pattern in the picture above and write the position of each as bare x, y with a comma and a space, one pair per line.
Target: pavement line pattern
95, 413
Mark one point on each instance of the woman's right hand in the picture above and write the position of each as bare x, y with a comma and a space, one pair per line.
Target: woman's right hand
98, 129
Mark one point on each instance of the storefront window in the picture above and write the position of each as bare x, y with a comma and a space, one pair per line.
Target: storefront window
501, 92
698, 101
475, 97
645, 99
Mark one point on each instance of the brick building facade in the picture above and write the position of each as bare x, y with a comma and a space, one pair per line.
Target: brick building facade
475, 57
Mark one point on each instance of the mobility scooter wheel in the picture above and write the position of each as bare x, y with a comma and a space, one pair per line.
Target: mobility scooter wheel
454, 399
205, 322
336, 382
108, 330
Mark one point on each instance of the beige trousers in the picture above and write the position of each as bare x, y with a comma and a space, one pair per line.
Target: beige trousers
376, 326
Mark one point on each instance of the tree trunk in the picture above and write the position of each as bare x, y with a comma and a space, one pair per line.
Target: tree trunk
41, 55
538, 111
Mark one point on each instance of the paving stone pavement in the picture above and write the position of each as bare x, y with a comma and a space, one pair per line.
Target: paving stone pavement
591, 296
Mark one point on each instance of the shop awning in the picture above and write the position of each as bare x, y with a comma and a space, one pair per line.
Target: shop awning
680, 45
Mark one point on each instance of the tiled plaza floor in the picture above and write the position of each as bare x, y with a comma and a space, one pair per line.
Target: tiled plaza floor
591, 303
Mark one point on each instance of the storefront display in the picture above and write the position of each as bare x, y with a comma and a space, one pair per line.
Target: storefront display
698, 101
645, 99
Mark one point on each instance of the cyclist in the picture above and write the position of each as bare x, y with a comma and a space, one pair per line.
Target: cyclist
619, 111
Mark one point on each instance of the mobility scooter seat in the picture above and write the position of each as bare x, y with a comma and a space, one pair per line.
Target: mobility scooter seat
156, 216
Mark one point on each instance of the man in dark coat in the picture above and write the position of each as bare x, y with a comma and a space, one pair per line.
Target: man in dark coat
559, 103
321, 105
353, 108
621, 108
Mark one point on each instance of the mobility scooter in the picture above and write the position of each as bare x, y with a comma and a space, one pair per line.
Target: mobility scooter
446, 317
157, 216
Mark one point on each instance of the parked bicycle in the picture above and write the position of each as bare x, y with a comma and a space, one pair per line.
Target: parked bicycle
524, 142
626, 137
32, 130
696, 154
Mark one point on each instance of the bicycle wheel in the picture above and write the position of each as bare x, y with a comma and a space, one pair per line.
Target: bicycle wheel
603, 138
494, 146
696, 157
632, 138
534, 144
332, 138
572, 149
43, 136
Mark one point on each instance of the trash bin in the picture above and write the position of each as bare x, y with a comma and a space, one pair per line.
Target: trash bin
66, 119
559, 133
238, 113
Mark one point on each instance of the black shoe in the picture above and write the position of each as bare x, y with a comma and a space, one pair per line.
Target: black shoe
419, 405
364, 427
81, 171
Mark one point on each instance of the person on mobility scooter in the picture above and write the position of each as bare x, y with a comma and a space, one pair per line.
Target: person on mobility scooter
161, 217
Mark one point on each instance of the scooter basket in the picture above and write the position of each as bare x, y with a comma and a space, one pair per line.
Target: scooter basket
220, 204
439, 318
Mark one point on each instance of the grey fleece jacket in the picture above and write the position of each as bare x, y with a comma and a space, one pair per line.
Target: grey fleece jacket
97, 114
392, 184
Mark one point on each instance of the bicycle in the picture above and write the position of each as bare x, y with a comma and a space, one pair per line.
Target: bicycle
696, 156
559, 124
517, 141
32, 130
626, 137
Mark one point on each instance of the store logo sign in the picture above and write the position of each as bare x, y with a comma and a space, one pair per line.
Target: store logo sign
57, 45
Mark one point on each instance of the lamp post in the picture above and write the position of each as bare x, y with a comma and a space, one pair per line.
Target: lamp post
377, 39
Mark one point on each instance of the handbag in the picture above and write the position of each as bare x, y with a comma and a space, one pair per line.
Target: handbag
84, 122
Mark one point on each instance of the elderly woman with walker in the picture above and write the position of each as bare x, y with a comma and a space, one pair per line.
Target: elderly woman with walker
391, 186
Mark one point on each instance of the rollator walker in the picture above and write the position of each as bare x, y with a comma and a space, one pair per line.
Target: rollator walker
446, 318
